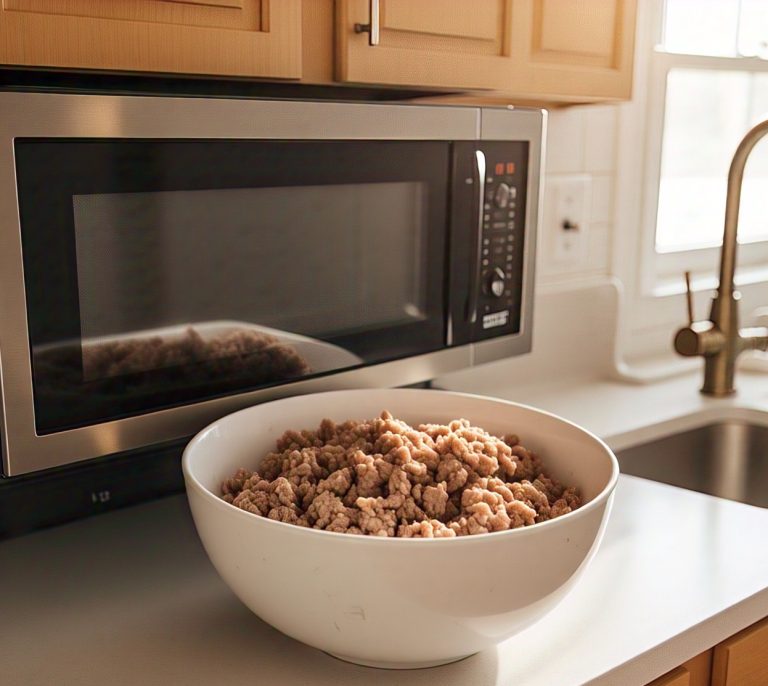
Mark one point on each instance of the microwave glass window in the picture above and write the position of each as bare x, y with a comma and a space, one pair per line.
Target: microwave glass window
317, 261
161, 273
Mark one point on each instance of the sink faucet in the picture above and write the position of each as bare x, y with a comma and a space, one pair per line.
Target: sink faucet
719, 340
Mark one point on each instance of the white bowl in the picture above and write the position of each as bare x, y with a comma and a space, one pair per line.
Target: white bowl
392, 602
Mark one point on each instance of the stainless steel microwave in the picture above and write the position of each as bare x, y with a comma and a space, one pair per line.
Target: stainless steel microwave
166, 260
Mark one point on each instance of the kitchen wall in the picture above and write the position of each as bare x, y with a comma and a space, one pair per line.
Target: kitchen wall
581, 141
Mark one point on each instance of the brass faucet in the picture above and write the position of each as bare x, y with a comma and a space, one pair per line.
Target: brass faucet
719, 339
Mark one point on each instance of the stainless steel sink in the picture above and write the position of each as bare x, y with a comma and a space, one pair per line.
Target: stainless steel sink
728, 459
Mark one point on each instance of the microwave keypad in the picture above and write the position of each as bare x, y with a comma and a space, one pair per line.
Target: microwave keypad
492, 228
498, 246
499, 294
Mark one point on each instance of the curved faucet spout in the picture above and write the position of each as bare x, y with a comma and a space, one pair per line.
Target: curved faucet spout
732, 205
719, 340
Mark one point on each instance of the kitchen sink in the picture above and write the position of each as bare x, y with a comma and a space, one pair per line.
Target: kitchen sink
727, 459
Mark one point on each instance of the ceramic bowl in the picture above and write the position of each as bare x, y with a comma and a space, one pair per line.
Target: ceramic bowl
391, 602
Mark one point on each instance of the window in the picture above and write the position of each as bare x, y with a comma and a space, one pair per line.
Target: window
708, 84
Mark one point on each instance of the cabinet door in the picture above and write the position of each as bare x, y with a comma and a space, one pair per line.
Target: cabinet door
695, 672
233, 37
439, 43
677, 677
742, 660
574, 49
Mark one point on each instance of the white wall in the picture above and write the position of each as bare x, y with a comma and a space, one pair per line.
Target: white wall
582, 140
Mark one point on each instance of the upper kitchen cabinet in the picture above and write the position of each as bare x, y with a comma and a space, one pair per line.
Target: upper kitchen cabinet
259, 38
543, 50
437, 43
574, 49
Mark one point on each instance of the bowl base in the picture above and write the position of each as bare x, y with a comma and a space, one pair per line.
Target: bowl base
399, 665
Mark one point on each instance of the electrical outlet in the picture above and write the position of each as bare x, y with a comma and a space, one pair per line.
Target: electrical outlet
567, 217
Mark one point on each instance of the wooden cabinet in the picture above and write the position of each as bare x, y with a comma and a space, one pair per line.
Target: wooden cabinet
677, 677
223, 37
504, 51
439, 43
572, 48
561, 50
742, 660
695, 672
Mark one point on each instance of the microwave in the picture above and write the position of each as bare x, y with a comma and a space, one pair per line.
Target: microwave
167, 260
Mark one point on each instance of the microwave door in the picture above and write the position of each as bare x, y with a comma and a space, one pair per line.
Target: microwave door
165, 272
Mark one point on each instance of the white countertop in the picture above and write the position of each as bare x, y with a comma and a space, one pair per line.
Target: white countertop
130, 597
626, 414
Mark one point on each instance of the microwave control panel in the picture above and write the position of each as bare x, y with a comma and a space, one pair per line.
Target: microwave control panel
496, 309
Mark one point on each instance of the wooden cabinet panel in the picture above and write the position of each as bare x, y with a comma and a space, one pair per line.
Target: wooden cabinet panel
232, 37
742, 660
695, 672
556, 50
677, 677
442, 43
444, 18
246, 17
573, 48
581, 30
215, 3
700, 669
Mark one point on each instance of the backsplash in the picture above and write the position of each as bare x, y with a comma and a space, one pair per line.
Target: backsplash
580, 141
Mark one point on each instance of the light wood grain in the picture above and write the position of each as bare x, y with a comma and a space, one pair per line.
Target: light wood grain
576, 29
317, 22
424, 45
742, 660
677, 677
700, 669
214, 3
442, 17
521, 50
247, 17
258, 38
695, 672
589, 54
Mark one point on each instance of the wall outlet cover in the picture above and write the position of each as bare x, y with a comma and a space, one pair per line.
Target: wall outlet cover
567, 214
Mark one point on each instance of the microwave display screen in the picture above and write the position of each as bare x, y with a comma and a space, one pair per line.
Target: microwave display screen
162, 272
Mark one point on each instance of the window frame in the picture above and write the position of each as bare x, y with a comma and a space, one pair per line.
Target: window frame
652, 288
700, 260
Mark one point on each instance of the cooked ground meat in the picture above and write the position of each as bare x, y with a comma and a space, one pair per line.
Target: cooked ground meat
385, 478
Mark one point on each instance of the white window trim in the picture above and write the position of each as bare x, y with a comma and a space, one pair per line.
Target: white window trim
653, 285
700, 260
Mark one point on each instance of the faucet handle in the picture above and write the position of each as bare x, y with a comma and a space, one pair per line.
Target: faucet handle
698, 338
689, 297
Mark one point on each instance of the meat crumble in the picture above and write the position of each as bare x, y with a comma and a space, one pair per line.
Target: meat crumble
383, 477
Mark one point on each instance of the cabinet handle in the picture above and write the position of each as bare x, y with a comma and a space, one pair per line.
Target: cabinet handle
372, 28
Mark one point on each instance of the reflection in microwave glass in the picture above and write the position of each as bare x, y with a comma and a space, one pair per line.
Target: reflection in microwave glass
181, 359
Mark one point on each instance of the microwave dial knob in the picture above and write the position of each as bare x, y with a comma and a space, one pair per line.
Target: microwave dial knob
495, 283
503, 195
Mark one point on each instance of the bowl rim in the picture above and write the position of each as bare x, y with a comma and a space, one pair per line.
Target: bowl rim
191, 481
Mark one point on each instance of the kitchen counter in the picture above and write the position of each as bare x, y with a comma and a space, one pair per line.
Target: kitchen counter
130, 597
624, 414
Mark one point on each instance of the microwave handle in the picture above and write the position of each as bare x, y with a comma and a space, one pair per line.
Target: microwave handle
477, 275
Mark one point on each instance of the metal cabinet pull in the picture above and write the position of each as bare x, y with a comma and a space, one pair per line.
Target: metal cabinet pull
372, 28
